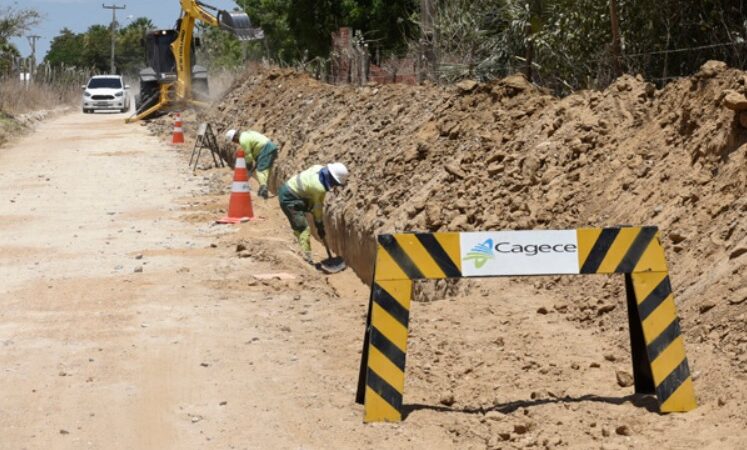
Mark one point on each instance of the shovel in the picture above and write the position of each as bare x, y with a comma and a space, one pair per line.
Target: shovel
332, 264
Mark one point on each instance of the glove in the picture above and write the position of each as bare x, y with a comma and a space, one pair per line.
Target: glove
263, 192
320, 230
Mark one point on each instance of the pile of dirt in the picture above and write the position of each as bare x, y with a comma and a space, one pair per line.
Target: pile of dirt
507, 155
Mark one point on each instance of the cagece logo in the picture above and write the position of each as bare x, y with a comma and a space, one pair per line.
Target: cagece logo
534, 249
519, 253
481, 253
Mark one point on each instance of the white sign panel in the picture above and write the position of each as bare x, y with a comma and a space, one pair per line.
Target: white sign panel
547, 252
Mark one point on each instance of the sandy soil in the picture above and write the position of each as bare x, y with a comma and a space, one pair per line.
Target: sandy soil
128, 321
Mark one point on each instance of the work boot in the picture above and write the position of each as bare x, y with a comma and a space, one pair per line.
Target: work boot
263, 192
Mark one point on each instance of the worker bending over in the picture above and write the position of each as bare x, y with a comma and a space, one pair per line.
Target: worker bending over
304, 193
258, 149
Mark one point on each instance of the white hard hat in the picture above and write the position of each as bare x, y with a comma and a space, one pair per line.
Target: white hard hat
339, 172
230, 135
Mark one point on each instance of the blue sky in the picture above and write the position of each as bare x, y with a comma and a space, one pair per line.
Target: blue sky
78, 15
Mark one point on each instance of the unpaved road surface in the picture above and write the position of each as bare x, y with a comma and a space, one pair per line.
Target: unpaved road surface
128, 321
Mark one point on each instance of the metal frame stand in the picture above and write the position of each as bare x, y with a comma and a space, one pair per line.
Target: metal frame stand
206, 139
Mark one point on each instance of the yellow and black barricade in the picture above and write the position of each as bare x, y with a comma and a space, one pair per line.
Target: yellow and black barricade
660, 364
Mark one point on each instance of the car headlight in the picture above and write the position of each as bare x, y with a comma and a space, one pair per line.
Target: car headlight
119, 94
87, 94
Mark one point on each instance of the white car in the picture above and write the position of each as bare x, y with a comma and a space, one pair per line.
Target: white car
106, 92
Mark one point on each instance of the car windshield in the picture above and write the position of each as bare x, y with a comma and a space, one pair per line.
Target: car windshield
106, 83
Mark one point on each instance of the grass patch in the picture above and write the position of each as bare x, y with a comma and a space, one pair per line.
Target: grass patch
16, 98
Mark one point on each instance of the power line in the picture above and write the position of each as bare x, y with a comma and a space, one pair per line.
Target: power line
674, 50
114, 9
687, 49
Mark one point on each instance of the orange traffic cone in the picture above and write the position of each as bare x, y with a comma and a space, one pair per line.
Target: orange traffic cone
178, 136
240, 204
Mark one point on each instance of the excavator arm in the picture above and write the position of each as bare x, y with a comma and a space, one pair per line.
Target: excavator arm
192, 11
199, 11
180, 91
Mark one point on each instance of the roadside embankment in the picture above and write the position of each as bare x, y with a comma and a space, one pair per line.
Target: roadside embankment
13, 126
507, 155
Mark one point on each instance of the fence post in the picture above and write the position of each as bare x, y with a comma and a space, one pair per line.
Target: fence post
616, 42
429, 37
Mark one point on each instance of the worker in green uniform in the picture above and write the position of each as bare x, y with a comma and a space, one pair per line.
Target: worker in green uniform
258, 150
304, 193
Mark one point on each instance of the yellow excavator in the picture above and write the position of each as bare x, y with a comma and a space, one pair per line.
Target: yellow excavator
172, 81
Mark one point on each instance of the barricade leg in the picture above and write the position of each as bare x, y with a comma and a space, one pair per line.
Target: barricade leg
665, 347
644, 381
387, 347
360, 394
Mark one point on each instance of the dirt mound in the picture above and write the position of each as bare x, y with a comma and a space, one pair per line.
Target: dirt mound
507, 155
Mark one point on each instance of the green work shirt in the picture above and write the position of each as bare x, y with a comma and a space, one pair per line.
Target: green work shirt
252, 143
307, 186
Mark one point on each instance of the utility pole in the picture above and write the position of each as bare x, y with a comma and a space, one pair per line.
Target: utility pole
114, 9
32, 42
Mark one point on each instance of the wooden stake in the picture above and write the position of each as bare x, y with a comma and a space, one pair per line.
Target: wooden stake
616, 41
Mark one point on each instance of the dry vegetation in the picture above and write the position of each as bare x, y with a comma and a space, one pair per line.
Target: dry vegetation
15, 98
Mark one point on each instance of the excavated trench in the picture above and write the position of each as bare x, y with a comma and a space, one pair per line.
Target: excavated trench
357, 247
508, 155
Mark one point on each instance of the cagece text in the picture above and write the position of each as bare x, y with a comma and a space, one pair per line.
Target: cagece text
534, 249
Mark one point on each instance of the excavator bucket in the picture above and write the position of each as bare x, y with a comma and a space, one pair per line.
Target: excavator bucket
238, 23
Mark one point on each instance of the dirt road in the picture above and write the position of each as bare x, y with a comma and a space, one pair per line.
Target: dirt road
122, 327
128, 321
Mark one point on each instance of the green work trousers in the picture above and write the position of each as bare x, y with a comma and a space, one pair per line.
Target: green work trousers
295, 210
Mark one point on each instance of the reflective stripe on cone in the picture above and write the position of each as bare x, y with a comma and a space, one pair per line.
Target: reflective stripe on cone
178, 135
240, 204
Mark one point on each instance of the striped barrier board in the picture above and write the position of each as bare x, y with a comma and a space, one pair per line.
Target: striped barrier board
660, 364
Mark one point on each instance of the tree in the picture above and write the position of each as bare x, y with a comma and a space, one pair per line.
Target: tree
97, 47
387, 24
66, 48
130, 55
279, 43
571, 44
8, 53
312, 23
219, 50
301, 29
14, 22
92, 48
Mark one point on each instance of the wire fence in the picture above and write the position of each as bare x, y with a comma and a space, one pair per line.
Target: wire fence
687, 49
351, 62
25, 71
26, 87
